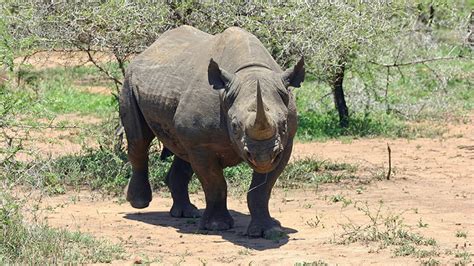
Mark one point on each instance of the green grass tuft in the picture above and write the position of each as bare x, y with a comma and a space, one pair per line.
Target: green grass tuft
462, 234
62, 99
388, 231
314, 263
312, 171
47, 93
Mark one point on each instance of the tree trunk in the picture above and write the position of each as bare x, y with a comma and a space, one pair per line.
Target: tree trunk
339, 99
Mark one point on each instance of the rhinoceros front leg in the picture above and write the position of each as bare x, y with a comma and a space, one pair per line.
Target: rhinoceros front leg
262, 224
210, 174
177, 179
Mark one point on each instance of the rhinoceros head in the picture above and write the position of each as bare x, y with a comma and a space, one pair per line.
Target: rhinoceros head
255, 101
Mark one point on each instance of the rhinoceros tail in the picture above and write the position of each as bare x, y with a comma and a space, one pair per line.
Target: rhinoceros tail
135, 125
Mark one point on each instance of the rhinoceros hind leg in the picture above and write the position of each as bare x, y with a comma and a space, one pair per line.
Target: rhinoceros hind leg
139, 137
178, 178
138, 188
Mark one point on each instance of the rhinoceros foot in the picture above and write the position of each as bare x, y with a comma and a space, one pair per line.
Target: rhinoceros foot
268, 229
139, 204
138, 194
186, 210
217, 221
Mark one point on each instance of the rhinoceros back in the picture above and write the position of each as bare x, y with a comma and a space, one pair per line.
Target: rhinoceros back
184, 54
158, 72
160, 76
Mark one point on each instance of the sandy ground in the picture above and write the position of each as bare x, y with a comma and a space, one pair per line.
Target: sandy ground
432, 184
104, 90
50, 59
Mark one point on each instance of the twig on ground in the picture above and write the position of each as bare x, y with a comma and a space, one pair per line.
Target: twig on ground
389, 161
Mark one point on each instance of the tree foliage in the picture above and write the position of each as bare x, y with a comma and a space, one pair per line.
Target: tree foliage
336, 37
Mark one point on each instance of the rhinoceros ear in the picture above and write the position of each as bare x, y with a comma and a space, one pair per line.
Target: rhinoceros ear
294, 76
218, 77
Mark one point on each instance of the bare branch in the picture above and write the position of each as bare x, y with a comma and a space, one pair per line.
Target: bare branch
421, 61
441, 81
103, 70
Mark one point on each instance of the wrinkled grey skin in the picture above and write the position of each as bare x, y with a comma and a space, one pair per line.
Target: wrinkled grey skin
211, 116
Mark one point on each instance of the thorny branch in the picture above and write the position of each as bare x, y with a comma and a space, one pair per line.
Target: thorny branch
103, 70
421, 61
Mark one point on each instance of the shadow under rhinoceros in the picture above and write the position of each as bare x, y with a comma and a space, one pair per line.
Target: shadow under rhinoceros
235, 235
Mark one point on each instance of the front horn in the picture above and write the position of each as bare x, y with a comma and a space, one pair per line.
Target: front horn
262, 128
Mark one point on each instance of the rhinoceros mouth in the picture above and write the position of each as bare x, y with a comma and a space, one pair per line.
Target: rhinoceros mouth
264, 167
263, 156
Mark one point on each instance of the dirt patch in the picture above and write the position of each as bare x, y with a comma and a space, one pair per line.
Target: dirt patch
432, 189
50, 59
97, 90
51, 139
74, 119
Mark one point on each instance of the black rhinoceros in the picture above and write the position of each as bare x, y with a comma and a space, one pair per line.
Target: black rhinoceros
211, 116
